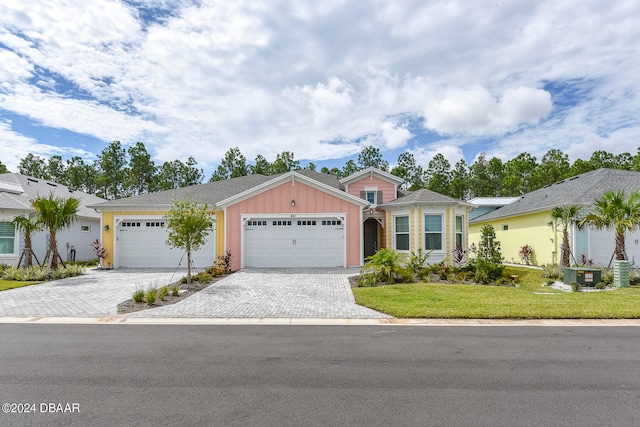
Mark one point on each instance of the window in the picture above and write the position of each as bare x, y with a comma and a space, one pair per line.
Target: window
371, 197
433, 232
402, 233
459, 233
7, 238
505, 227
85, 228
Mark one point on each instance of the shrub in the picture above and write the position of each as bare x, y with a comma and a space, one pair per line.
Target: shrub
550, 271
386, 265
175, 290
525, 254
162, 292
138, 295
417, 263
550, 282
224, 262
151, 295
601, 285
204, 277
607, 276
367, 280
489, 272
575, 286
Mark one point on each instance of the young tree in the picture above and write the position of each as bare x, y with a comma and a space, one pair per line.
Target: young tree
566, 215
188, 225
28, 225
615, 210
3, 168
55, 213
142, 170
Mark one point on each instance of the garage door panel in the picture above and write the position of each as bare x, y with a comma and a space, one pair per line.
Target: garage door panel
278, 243
142, 243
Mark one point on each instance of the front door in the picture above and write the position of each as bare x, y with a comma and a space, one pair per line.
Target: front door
371, 245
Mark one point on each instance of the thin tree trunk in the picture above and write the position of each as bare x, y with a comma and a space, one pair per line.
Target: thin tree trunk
27, 247
53, 249
566, 260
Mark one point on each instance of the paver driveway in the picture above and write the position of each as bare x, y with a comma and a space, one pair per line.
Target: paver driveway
97, 293
258, 293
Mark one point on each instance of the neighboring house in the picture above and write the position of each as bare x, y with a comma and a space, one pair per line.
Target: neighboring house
488, 204
16, 193
296, 219
527, 221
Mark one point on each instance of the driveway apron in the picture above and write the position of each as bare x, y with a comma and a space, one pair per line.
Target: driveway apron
273, 293
97, 293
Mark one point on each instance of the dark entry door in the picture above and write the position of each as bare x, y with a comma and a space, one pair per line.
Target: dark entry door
370, 237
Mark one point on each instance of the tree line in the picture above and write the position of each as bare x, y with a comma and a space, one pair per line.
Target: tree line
120, 173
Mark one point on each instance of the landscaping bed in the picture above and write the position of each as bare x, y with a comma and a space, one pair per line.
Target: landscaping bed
185, 291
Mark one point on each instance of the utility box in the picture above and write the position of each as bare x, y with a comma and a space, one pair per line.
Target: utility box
621, 274
583, 276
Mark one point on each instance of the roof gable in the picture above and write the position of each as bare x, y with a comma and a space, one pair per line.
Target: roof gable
580, 190
377, 172
293, 176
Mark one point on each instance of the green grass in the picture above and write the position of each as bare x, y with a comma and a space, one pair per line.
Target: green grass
10, 284
431, 300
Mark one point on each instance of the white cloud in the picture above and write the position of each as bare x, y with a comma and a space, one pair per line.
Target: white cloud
475, 111
322, 79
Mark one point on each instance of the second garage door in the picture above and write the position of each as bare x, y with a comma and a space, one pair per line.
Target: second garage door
142, 243
281, 243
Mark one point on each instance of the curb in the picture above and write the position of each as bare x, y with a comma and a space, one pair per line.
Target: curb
316, 321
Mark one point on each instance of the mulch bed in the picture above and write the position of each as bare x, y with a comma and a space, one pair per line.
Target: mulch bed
130, 306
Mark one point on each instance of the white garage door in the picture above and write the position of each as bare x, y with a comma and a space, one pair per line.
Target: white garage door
142, 243
281, 243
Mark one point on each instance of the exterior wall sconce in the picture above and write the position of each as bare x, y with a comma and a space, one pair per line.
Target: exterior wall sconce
106, 227
550, 223
293, 202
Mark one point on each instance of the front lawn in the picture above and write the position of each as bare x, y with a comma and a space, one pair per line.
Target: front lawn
10, 284
529, 301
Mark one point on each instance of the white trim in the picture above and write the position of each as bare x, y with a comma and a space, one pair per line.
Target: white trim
291, 177
382, 174
443, 224
393, 231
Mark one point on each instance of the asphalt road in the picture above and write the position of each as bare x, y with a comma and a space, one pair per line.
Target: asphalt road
319, 375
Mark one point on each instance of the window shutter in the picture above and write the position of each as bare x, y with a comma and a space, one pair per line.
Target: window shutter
363, 195
379, 198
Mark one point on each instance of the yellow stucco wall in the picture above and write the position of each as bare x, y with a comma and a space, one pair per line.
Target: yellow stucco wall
108, 236
531, 229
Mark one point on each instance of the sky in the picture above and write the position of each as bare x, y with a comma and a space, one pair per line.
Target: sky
322, 79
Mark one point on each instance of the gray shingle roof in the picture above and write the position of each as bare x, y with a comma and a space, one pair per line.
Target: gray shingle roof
580, 190
423, 196
35, 187
209, 193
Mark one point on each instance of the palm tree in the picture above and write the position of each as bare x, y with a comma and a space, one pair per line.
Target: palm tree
566, 215
28, 225
55, 213
615, 210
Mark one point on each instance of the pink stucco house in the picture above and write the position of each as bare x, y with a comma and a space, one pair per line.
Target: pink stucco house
296, 219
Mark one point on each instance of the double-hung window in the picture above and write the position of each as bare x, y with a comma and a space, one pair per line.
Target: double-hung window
459, 232
433, 232
402, 233
7, 238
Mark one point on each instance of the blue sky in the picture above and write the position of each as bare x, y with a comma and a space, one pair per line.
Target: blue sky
320, 79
